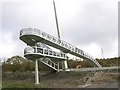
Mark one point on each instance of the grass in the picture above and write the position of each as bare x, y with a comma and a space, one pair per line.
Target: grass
20, 84
19, 80
26, 80
16, 84
52, 80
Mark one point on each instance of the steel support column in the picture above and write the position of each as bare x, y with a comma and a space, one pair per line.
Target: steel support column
36, 72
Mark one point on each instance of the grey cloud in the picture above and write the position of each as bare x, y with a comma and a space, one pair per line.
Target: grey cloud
95, 23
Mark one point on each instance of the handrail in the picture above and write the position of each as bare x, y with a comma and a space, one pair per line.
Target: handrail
45, 52
70, 48
55, 40
49, 63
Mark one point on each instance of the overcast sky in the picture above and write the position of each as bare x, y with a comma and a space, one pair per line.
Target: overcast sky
88, 24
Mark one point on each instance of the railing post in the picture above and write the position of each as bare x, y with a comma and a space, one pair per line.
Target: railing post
54, 65
48, 52
35, 49
50, 63
43, 50
58, 67
36, 72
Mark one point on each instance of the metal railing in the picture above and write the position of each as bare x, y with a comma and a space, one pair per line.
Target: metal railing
45, 52
57, 41
49, 63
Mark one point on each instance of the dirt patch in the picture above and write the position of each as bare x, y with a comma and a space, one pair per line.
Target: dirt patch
108, 80
63, 79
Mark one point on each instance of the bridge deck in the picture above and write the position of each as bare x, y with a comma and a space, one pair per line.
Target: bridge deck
36, 52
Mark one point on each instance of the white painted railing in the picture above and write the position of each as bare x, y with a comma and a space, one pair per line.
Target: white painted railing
45, 52
57, 42
49, 63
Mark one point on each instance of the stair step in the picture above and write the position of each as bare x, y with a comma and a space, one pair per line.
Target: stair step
49, 63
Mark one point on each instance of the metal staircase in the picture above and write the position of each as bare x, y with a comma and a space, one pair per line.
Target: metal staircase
49, 63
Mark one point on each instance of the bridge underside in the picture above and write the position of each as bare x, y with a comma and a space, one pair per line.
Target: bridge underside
34, 56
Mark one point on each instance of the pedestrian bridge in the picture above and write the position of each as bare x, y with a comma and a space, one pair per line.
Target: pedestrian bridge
31, 36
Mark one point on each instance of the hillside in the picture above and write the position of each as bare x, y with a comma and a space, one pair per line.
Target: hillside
18, 63
18, 72
103, 62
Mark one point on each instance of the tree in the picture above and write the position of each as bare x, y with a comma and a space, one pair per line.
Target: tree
18, 63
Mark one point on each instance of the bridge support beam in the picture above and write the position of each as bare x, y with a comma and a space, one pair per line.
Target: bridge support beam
64, 65
36, 73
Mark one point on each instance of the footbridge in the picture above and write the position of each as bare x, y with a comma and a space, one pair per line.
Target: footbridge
32, 36
38, 50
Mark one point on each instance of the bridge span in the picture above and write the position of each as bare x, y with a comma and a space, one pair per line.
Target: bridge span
31, 36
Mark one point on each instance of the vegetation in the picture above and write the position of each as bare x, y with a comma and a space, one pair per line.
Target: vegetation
27, 79
18, 80
109, 62
103, 62
18, 63
75, 64
18, 72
